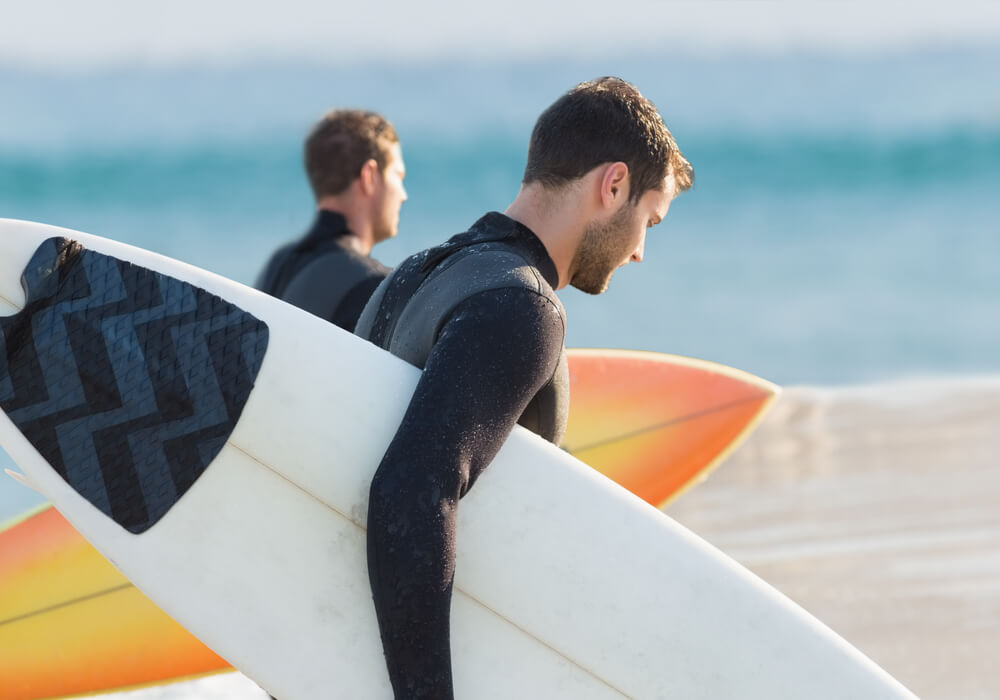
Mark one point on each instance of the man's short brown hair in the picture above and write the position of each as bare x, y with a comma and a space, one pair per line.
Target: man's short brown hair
605, 121
341, 143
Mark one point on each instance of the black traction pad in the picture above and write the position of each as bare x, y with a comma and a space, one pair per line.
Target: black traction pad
127, 381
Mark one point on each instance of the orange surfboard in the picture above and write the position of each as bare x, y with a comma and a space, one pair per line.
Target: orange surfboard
657, 423
71, 624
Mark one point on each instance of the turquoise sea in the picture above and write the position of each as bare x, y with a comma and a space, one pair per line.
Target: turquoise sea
844, 227
842, 239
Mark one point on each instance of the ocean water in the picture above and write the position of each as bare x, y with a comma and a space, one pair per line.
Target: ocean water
843, 227
842, 239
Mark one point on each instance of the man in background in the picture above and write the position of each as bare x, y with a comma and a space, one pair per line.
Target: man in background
355, 166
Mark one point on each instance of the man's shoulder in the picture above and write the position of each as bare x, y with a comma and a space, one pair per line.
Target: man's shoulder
493, 266
499, 280
340, 260
328, 278
268, 278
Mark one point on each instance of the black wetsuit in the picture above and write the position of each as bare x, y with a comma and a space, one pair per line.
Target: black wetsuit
479, 315
323, 274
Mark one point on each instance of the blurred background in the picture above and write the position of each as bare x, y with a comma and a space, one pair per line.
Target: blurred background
842, 238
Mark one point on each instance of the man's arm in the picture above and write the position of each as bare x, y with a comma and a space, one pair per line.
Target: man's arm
494, 353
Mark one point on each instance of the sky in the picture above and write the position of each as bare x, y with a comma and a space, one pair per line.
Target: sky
70, 34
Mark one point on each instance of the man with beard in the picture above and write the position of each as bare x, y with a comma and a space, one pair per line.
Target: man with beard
356, 170
479, 315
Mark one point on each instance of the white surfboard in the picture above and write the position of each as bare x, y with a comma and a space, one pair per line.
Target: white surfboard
567, 585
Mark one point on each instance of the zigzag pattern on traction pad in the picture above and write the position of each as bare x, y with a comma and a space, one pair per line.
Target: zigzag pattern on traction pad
127, 381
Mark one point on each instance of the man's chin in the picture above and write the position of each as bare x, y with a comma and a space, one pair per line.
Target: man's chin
591, 286
385, 235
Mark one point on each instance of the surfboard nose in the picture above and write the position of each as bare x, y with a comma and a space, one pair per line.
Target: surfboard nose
19, 249
127, 381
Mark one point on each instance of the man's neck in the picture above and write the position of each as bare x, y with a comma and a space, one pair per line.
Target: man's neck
360, 236
558, 220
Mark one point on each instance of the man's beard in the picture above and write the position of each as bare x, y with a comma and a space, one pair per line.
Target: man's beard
601, 252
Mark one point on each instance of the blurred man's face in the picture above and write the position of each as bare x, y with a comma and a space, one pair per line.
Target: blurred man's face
390, 195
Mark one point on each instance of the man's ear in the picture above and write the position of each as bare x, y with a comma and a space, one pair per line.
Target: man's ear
368, 178
614, 184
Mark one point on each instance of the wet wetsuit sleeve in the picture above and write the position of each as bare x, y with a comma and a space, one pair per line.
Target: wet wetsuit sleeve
495, 351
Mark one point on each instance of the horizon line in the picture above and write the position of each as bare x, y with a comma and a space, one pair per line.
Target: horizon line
250, 58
